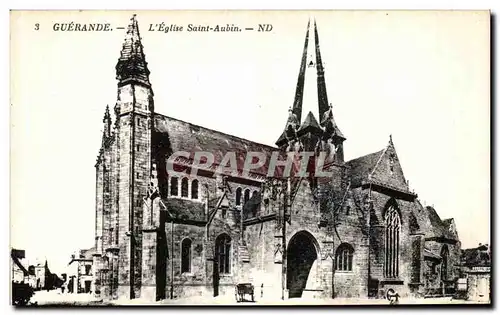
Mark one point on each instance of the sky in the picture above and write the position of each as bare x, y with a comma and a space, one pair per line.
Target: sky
422, 77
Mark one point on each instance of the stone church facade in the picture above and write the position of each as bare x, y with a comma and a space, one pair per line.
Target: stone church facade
357, 233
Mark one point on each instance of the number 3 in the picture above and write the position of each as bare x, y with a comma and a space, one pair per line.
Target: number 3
37, 26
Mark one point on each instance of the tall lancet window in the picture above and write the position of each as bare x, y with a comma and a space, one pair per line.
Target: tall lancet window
184, 187
194, 189
238, 196
246, 197
174, 186
392, 229
186, 255
444, 262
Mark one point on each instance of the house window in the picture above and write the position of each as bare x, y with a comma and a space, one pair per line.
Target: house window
223, 252
174, 186
343, 257
247, 196
444, 258
88, 269
184, 187
186, 255
392, 228
194, 189
238, 196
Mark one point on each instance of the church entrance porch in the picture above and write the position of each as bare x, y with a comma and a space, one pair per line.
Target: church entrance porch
302, 258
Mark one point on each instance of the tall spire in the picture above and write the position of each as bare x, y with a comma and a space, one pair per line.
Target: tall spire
310, 93
299, 91
322, 96
295, 113
132, 65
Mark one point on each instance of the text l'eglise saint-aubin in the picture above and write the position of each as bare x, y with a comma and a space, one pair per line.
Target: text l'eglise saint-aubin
162, 27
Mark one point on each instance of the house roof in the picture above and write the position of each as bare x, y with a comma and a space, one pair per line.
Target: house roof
17, 261
84, 254
476, 257
362, 166
88, 254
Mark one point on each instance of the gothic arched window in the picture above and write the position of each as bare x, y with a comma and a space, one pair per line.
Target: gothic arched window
247, 196
444, 264
186, 255
174, 186
223, 252
392, 228
343, 257
184, 187
194, 189
238, 196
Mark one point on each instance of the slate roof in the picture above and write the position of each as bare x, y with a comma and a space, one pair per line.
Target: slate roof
185, 210
85, 254
184, 136
361, 167
310, 123
17, 261
428, 253
476, 257
439, 228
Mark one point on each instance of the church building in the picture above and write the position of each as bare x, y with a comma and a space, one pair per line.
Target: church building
357, 233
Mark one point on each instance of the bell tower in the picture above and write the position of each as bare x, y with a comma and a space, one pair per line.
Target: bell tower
308, 134
134, 114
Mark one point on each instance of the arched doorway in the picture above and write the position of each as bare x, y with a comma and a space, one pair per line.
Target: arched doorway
301, 255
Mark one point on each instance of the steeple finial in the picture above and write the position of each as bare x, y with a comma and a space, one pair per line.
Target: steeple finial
132, 65
106, 114
107, 123
390, 139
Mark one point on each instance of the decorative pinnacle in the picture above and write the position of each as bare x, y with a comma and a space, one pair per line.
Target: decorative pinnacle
106, 114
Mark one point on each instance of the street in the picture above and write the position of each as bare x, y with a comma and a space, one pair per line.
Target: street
55, 297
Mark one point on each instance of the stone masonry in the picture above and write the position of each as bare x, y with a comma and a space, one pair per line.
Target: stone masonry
357, 233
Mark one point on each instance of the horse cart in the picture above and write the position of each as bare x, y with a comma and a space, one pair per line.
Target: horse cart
243, 289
